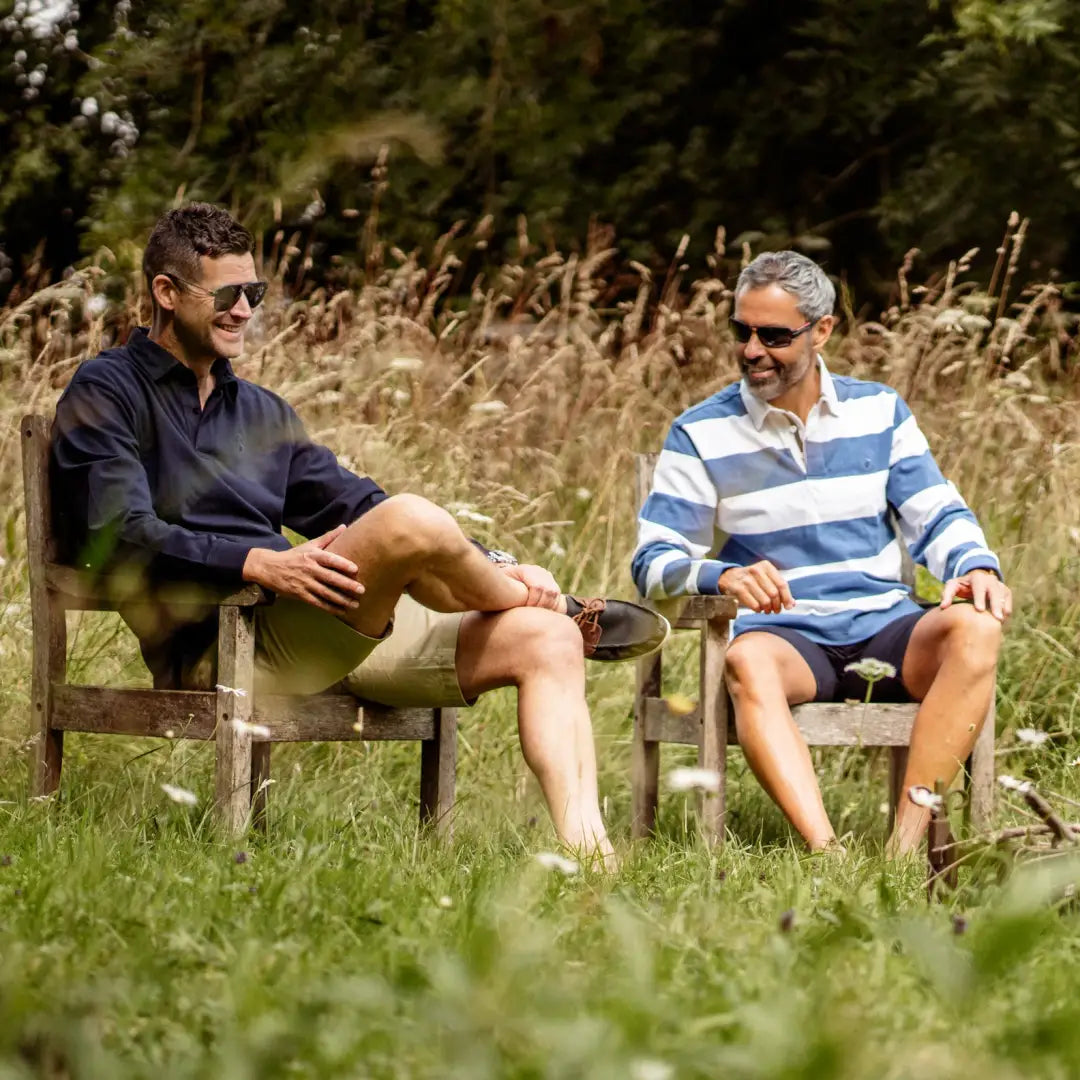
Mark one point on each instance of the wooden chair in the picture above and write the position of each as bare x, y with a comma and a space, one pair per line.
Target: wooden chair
711, 726
242, 756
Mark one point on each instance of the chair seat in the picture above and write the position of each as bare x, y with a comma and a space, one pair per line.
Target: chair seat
821, 724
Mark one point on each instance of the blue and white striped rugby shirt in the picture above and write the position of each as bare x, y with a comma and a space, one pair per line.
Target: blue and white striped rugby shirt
739, 481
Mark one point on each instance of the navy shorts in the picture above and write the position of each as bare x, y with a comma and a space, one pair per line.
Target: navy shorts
827, 662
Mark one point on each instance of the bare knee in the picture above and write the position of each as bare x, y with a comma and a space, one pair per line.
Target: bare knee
973, 638
412, 527
748, 671
543, 643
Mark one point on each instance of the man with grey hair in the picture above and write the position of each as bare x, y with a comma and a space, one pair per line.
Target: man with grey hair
778, 490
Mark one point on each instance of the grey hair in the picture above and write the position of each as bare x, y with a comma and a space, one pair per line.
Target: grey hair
814, 293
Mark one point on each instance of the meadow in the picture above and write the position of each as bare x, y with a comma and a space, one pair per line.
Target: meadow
135, 943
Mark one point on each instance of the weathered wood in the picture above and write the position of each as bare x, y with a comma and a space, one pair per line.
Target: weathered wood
438, 770
821, 724
191, 714
236, 675
49, 631
698, 610
980, 807
898, 759
715, 717
645, 750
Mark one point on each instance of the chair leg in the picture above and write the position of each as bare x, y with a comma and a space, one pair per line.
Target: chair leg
645, 761
980, 770
49, 667
715, 716
898, 759
260, 775
236, 669
438, 774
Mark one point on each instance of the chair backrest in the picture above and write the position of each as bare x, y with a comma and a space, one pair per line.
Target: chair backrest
37, 501
645, 466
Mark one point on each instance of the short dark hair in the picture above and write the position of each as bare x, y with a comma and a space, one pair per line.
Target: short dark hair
182, 236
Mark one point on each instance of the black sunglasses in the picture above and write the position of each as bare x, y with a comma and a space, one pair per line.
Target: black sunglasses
226, 297
772, 337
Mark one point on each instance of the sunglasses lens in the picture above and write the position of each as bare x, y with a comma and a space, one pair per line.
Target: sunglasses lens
225, 298
775, 337
742, 331
255, 293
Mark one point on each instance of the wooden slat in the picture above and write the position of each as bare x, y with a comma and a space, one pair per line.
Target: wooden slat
822, 724
190, 714
438, 771
645, 757
233, 713
715, 710
83, 591
663, 725
981, 774
700, 609
47, 616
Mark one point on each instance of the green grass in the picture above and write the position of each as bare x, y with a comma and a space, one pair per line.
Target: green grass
135, 943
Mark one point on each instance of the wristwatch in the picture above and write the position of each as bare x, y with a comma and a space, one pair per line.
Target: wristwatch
501, 558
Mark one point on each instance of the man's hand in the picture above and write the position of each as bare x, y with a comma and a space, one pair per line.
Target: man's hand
759, 587
543, 588
984, 589
308, 572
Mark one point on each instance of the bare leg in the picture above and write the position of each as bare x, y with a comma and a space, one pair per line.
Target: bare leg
407, 544
948, 666
766, 676
540, 653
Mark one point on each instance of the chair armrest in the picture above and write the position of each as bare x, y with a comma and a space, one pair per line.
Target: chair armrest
685, 612
90, 592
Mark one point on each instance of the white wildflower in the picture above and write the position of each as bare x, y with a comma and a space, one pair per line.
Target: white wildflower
488, 408
180, 795
583, 494
401, 397
89, 107
687, 779
96, 305
221, 688
1031, 736
556, 550
1010, 783
872, 670
169, 733
406, 363
1075, 761
924, 797
256, 731
445, 902
550, 860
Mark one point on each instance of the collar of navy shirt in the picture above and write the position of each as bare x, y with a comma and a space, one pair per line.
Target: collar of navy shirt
159, 363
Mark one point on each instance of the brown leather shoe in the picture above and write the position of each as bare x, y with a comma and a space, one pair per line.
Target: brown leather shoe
617, 630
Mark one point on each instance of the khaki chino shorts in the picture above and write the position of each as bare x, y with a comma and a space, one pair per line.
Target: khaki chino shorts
302, 650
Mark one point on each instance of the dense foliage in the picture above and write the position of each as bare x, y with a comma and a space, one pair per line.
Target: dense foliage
853, 128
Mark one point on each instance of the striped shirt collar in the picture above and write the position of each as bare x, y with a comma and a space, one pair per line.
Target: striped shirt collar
759, 410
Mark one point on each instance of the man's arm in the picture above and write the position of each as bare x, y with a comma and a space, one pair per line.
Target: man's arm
676, 526
939, 529
103, 487
321, 493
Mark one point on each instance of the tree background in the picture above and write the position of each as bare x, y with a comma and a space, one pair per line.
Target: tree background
854, 129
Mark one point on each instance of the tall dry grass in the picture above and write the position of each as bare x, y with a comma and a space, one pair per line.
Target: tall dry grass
517, 398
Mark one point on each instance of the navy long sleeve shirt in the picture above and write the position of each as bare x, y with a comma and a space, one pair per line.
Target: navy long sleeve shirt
141, 473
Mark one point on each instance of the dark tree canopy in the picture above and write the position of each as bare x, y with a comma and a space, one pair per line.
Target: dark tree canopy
853, 128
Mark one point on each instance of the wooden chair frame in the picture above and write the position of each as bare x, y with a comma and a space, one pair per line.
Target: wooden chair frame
711, 726
242, 757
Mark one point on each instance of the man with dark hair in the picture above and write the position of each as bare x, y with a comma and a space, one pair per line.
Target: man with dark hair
165, 460
777, 491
